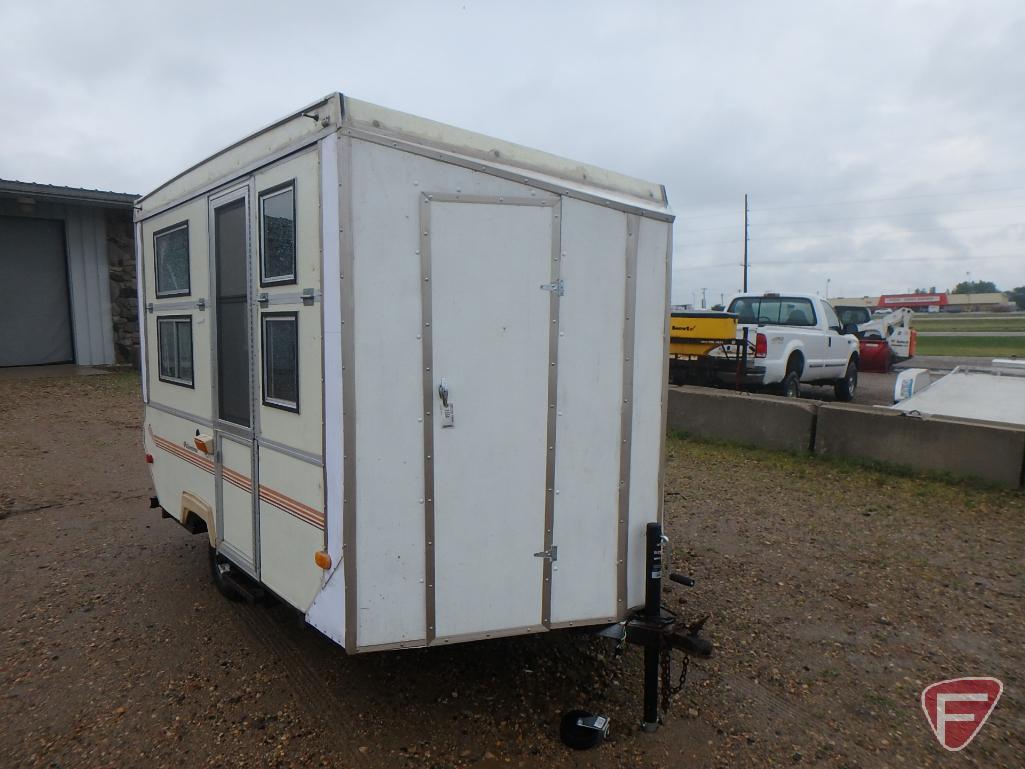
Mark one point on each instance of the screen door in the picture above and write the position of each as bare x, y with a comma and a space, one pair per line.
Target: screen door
233, 399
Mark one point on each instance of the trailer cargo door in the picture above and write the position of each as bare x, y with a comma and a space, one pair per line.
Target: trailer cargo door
488, 359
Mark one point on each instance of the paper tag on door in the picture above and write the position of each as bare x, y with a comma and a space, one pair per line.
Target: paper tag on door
448, 418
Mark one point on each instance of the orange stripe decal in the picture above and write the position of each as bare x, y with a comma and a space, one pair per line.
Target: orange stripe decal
293, 507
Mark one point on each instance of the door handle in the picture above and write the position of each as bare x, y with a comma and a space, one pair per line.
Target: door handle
443, 392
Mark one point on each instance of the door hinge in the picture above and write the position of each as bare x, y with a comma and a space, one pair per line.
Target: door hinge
558, 287
552, 554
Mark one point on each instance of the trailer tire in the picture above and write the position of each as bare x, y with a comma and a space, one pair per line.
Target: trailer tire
217, 572
790, 387
845, 388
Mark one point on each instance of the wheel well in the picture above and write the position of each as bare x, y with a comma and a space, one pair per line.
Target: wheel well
194, 524
855, 359
795, 362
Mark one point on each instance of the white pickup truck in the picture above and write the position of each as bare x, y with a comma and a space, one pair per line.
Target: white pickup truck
795, 339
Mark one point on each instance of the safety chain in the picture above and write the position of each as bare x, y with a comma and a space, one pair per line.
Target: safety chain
668, 690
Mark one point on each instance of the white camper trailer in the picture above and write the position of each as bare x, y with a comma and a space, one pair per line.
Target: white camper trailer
410, 379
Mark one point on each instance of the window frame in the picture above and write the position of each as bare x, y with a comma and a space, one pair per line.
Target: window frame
187, 291
288, 280
174, 320
265, 398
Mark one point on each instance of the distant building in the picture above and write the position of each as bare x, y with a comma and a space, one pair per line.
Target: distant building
67, 276
938, 301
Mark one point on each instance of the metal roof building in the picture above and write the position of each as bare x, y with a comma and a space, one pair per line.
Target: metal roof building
67, 276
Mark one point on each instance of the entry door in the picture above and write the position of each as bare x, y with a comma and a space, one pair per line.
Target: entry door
233, 384
489, 341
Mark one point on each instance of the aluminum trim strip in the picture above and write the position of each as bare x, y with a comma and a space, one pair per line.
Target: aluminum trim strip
426, 150
180, 414
331, 353
282, 448
665, 376
626, 413
427, 381
140, 303
553, 396
504, 633
349, 510
182, 304
583, 623
507, 200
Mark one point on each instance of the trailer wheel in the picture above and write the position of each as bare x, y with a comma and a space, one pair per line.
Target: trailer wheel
790, 387
844, 388
219, 568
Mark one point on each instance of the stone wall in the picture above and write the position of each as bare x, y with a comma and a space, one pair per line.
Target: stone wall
124, 308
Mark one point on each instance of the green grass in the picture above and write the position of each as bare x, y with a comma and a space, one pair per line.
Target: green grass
973, 346
969, 323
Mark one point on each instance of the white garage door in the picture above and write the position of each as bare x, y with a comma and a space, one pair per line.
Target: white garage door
35, 320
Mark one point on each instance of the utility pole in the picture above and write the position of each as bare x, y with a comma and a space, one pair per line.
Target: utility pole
745, 242
703, 305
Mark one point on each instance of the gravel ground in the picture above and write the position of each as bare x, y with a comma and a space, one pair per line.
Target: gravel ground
835, 594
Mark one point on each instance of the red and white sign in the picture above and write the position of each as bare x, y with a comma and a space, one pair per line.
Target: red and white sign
957, 708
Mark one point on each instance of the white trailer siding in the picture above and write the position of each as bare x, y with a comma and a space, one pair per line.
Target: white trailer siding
585, 580
527, 290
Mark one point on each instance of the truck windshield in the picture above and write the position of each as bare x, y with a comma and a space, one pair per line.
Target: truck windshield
774, 310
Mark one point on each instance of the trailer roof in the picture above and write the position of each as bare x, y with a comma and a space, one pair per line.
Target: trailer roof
337, 112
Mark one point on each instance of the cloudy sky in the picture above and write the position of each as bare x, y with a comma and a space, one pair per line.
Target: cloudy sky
881, 141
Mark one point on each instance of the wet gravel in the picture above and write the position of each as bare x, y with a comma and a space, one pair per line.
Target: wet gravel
835, 595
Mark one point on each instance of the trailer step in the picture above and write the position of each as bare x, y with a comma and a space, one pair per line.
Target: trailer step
250, 593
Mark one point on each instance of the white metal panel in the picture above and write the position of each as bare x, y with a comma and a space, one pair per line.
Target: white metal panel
386, 187
236, 496
584, 578
291, 526
648, 388
490, 342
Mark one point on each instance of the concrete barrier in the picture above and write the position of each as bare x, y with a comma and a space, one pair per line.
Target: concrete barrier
757, 420
964, 447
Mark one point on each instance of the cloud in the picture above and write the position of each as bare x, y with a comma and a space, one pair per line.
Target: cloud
858, 129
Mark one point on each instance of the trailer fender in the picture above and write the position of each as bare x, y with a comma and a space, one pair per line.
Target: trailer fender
197, 516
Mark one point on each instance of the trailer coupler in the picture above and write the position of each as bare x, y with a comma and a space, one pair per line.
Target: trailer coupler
660, 632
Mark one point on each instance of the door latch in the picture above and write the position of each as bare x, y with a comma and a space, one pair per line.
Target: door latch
558, 287
443, 392
551, 554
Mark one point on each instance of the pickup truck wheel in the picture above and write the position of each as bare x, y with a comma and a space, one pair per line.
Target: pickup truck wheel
219, 568
790, 387
844, 388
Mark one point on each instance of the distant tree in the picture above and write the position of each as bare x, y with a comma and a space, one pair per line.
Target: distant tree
1017, 295
719, 307
976, 287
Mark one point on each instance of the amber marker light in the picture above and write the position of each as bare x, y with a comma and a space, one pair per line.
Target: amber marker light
322, 559
204, 443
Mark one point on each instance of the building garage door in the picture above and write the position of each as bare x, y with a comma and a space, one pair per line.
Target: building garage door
35, 319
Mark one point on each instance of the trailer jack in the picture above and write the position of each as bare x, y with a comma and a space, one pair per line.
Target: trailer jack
660, 632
